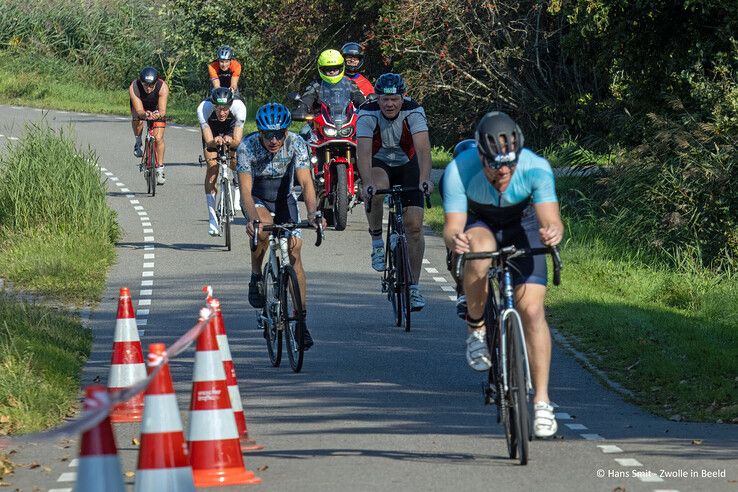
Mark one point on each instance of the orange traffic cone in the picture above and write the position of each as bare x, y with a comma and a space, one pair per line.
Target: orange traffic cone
98, 468
230, 373
212, 437
127, 364
163, 461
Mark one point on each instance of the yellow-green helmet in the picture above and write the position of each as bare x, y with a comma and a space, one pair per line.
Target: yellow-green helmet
331, 59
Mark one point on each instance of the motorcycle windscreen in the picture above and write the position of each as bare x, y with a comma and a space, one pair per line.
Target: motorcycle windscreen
336, 103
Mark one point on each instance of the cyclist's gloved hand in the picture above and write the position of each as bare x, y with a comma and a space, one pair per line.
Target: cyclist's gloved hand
461, 243
426, 186
315, 221
552, 234
250, 228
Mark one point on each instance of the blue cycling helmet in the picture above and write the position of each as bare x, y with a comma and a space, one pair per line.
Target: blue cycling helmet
273, 116
467, 144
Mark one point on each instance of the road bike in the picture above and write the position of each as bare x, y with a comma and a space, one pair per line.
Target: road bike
225, 212
283, 312
149, 160
397, 276
508, 383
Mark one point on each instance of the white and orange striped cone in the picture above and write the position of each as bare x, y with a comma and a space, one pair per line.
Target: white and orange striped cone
127, 364
163, 460
98, 465
230, 372
212, 437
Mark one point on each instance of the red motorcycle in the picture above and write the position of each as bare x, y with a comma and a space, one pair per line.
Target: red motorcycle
333, 145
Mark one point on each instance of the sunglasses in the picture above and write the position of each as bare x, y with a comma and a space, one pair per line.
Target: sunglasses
510, 160
278, 134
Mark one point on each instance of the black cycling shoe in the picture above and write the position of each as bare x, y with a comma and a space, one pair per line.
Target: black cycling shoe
307, 340
256, 296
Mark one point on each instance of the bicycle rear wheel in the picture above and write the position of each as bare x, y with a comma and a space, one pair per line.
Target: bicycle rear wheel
270, 317
294, 318
404, 279
518, 391
227, 211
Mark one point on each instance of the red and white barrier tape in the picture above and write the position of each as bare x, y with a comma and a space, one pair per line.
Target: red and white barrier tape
101, 404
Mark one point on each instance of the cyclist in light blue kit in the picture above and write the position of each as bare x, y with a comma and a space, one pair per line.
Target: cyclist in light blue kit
496, 195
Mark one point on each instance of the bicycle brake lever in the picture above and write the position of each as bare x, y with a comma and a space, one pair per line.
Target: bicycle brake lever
459, 268
427, 196
556, 257
255, 239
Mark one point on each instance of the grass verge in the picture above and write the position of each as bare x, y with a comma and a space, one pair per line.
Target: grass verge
42, 353
57, 240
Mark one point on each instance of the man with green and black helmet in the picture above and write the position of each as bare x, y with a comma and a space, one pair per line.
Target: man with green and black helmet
331, 68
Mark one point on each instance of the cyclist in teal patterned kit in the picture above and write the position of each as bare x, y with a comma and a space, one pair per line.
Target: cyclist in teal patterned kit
268, 162
496, 195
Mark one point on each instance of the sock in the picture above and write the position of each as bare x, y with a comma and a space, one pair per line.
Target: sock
377, 243
211, 207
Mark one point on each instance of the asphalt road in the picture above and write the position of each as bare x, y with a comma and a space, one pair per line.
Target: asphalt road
374, 408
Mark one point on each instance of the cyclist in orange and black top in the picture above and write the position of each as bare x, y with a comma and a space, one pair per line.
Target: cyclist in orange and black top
353, 55
226, 70
149, 94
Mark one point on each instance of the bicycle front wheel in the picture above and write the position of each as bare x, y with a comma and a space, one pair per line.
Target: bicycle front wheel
518, 388
270, 317
227, 212
151, 165
294, 318
404, 278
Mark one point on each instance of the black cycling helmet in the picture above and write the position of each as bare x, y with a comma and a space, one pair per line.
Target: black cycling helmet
355, 50
467, 144
390, 83
493, 127
148, 75
221, 96
225, 52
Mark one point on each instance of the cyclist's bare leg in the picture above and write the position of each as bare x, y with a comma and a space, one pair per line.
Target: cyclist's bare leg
257, 257
211, 174
475, 272
413, 219
137, 125
381, 180
296, 259
529, 303
160, 145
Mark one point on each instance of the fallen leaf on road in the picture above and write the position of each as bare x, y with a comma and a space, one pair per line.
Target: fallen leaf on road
33, 466
262, 468
696, 442
619, 488
135, 441
130, 474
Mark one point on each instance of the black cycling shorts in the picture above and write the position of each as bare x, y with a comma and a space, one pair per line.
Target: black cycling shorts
521, 234
407, 174
274, 195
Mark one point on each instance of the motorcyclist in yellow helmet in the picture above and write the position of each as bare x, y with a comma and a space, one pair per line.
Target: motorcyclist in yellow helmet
331, 68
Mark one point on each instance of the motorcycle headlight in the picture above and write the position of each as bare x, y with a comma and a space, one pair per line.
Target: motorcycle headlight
346, 131
330, 132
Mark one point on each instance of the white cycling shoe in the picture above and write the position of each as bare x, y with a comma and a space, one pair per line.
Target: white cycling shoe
160, 178
378, 258
477, 353
544, 420
213, 229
